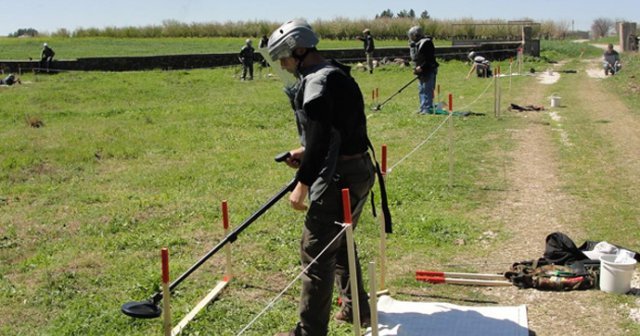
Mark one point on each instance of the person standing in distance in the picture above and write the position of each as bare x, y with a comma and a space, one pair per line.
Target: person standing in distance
423, 54
246, 57
329, 110
47, 56
369, 47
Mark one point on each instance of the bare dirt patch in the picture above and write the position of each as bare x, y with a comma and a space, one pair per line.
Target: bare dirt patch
535, 205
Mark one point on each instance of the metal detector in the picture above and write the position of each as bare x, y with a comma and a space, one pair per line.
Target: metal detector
378, 107
150, 308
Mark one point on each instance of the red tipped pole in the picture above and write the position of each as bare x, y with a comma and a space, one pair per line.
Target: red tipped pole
165, 264
384, 159
450, 102
351, 254
346, 207
227, 248
225, 215
166, 309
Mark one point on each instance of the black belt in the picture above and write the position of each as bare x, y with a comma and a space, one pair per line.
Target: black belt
352, 157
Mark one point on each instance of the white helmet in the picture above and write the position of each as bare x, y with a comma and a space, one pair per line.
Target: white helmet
247, 41
471, 55
45, 44
293, 34
415, 33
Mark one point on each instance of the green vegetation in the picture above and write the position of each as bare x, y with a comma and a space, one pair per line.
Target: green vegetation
71, 48
127, 163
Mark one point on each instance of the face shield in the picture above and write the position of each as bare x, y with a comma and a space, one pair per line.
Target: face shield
287, 78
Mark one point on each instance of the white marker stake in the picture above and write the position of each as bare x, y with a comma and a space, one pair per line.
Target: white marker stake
351, 254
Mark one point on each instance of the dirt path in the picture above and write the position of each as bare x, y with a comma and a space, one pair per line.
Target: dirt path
535, 206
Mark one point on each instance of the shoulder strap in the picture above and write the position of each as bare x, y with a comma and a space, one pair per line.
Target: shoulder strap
388, 226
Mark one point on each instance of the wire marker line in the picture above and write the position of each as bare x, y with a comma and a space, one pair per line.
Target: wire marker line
272, 302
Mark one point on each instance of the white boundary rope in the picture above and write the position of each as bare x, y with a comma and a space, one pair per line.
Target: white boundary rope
272, 302
420, 144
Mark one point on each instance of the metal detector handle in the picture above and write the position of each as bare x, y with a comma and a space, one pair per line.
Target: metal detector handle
282, 156
230, 238
400, 90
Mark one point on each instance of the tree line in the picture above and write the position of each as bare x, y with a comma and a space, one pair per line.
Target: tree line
386, 25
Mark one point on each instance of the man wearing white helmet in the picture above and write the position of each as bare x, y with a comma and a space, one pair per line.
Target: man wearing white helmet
369, 47
47, 56
246, 58
423, 54
481, 65
329, 111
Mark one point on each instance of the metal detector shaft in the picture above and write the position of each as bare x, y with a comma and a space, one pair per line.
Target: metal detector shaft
400, 90
230, 238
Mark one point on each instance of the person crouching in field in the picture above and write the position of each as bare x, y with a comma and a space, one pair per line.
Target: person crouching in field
481, 65
611, 61
10, 80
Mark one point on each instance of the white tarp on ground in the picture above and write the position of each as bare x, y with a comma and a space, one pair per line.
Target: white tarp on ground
443, 319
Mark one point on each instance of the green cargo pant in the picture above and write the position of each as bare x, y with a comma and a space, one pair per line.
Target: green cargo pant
319, 230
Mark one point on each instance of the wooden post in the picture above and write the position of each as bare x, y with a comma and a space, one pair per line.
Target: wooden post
351, 254
450, 141
383, 233
499, 94
373, 299
377, 94
227, 249
166, 293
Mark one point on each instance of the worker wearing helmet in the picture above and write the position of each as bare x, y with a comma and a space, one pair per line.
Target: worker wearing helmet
422, 53
333, 155
481, 65
246, 58
369, 47
47, 56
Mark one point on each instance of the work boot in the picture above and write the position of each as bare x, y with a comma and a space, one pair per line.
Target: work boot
343, 317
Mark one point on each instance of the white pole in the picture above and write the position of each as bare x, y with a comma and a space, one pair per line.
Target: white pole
227, 248
373, 299
166, 293
450, 141
383, 233
351, 254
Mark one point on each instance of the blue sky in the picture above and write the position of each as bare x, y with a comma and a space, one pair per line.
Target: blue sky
48, 16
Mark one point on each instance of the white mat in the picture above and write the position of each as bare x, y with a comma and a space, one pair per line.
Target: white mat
444, 319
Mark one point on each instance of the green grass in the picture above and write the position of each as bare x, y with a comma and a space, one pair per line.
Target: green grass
128, 163
72, 48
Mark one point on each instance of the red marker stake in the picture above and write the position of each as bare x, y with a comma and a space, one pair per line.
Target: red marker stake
384, 159
166, 306
227, 248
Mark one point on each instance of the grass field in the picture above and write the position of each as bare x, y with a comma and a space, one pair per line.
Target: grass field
127, 163
72, 48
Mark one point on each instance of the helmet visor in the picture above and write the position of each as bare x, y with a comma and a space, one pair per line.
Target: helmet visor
273, 58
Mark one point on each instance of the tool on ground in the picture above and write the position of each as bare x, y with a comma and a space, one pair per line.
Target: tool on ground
378, 107
150, 308
471, 279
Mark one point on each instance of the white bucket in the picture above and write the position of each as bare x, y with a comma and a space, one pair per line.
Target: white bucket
555, 101
615, 277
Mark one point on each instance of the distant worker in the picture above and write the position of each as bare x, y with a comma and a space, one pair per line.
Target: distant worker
611, 61
264, 42
47, 56
369, 47
246, 58
423, 54
481, 65
10, 80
